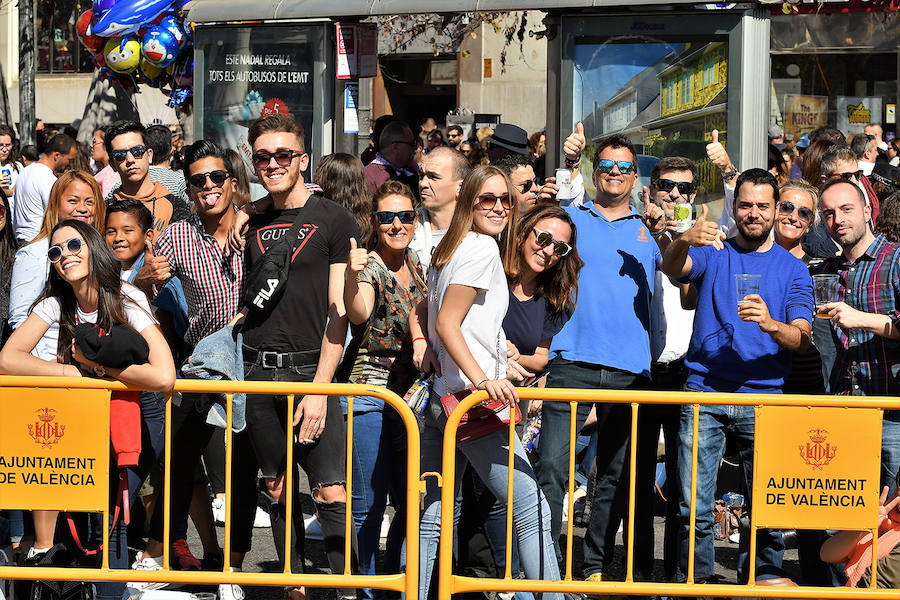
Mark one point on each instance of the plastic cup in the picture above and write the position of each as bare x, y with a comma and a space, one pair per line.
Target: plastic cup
826, 290
746, 284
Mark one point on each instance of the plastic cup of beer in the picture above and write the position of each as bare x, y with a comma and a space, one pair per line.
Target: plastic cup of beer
746, 284
826, 290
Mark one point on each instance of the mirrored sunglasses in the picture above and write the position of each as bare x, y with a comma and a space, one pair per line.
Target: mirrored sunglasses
73, 245
606, 166
386, 217
135, 151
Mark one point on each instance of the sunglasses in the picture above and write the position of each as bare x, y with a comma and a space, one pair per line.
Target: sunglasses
787, 208
544, 239
135, 151
685, 188
489, 201
386, 217
283, 158
218, 177
73, 245
528, 185
606, 166
849, 176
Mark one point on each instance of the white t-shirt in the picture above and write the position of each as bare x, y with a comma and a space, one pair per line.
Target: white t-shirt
671, 326
30, 200
476, 263
137, 310
425, 239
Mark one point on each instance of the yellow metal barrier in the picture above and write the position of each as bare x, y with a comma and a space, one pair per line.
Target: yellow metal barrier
402, 582
449, 584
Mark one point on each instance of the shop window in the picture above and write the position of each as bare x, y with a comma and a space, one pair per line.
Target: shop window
57, 45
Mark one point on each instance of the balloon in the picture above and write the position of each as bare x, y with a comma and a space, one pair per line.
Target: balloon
184, 70
129, 16
93, 43
150, 70
159, 46
122, 54
176, 28
101, 6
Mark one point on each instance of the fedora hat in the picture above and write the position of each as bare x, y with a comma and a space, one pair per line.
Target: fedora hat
511, 137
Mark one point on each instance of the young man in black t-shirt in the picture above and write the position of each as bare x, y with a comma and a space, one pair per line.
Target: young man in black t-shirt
300, 338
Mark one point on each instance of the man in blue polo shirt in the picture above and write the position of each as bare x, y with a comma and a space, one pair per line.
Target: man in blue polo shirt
605, 344
741, 343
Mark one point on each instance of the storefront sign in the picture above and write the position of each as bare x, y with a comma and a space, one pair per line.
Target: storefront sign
54, 449
346, 50
817, 468
890, 114
855, 112
351, 101
803, 114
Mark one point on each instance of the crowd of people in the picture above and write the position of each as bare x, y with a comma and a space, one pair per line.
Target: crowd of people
464, 268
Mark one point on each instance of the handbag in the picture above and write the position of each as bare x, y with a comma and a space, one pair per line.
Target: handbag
264, 284
482, 419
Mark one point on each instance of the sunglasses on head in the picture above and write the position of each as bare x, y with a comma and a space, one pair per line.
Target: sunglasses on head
283, 158
787, 207
135, 151
606, 166
218, 177
685, 188
73, 245
849, 176
489, 201
386, 217
544, 239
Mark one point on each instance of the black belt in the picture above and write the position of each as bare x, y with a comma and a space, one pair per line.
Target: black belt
278, 360
669, 367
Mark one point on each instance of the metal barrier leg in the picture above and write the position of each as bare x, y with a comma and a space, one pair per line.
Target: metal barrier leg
573, 409
632, 474
692, 523
229, 480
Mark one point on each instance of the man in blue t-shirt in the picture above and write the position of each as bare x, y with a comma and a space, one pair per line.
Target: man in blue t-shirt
605, 344
741, 343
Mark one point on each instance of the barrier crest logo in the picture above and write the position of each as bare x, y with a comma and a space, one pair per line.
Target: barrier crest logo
817, 452
45, 431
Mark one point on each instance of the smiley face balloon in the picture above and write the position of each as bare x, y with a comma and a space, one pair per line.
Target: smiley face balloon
122, 54
159, 47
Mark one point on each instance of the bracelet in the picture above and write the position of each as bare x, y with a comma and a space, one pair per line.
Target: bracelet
480, 382
573, 163
657, 234
416, 339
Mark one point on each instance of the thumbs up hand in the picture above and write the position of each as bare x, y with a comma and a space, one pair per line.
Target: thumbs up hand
715, 151
574, 144
156, 269
357, 260
703, 232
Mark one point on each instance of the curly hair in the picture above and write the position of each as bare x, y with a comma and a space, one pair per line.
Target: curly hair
888, 221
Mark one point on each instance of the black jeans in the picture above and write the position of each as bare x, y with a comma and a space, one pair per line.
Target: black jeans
552, 455
323, 461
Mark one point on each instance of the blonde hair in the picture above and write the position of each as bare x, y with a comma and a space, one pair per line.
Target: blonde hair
51, 215
463, 216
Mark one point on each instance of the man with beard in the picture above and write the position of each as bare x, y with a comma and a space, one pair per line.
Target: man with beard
739, 344
867, 322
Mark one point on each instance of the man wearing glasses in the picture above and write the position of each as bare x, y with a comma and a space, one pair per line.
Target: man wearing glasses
520, 170
130, 156
34, 184
394, 160
841, 162
604, 345
299, 337
454, 136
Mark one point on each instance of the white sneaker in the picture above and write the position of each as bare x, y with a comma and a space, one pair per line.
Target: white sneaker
262, 519
231, 591
580, 496
218, 510
147, 564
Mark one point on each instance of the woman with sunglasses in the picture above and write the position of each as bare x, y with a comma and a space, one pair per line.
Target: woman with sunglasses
383, 284
84, 287
468, 298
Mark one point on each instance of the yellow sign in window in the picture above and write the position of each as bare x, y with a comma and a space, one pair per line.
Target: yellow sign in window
817, 468
54, 449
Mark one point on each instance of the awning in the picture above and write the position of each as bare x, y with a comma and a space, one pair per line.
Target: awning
211, 11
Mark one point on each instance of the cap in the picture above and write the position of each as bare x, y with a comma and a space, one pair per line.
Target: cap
775, 131
886, 174
511, 137
803, 142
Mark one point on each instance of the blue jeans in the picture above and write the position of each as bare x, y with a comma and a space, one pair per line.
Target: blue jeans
890, 449
153, 429
379, 469
552, 454
717, 422
488, 455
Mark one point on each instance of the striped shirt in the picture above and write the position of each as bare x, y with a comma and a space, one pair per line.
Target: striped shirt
212, 282
867, 364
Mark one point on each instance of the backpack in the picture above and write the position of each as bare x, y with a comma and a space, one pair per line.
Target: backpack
57, 556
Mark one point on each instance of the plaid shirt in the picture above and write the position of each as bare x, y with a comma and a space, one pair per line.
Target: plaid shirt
212, 282
867, 364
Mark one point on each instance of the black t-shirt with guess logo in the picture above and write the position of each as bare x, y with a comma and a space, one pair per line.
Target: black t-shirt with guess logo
297, 322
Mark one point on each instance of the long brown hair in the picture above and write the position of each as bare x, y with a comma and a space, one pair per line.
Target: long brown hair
558, 284
343, 179
812, 161
394, 188
103, 274
51, 215
462, 221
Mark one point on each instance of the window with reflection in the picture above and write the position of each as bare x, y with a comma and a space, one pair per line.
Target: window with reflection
57, 47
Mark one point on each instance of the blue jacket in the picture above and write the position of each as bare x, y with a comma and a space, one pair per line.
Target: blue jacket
219, 356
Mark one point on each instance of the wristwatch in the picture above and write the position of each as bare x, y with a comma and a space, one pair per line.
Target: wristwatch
99, 371
729, 174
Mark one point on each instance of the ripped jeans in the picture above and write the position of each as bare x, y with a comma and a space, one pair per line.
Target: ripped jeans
324, 463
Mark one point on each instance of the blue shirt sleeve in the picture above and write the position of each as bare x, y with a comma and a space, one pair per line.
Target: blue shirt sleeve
799, 301
699, 262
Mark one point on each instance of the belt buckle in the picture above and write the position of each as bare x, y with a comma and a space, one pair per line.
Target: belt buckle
271, 364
